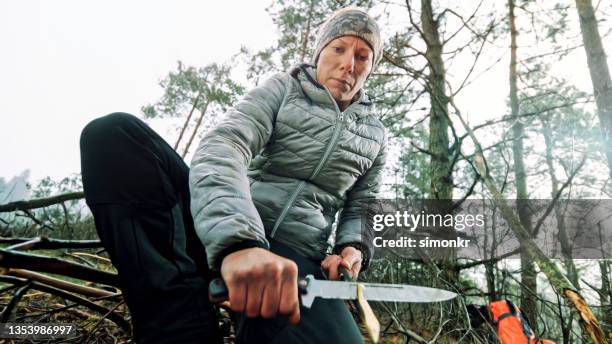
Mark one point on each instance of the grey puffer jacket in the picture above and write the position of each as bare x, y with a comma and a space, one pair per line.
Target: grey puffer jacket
282, 163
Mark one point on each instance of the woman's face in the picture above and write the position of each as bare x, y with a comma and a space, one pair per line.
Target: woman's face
343, 66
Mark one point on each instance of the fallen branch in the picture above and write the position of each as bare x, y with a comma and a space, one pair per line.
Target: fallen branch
40, 202
401, 328
94, 256
487, 261
114, 317
80, 259
44, 243
70, 309
103, 318
26, 245
18, 260
8, 310
58, 283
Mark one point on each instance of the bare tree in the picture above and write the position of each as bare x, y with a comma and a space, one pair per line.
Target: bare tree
600, 73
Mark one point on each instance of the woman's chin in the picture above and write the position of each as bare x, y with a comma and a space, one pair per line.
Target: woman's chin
340, 95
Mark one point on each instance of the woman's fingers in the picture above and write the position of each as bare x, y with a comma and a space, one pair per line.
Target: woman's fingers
332, 264
238, 295
289, 302
261, 283
254, 299
271, 297
354, 258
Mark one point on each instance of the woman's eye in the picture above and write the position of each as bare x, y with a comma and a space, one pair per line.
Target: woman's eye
363, 57
338, 50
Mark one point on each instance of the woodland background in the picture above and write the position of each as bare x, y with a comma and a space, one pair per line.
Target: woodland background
550, 141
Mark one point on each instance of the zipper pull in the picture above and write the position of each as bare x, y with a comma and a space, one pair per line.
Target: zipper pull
341, 116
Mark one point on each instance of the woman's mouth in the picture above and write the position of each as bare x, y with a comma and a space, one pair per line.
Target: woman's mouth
344, 83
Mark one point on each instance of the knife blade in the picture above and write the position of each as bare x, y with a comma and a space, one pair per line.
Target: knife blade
311, 288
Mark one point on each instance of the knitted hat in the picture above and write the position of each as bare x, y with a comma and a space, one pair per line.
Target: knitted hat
350, 21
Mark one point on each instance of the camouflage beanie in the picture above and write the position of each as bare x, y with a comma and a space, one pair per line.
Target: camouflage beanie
350, 21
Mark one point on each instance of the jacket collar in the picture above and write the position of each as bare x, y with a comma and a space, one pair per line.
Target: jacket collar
306, 75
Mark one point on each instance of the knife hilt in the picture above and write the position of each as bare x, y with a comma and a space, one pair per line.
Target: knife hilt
218, 292
346, 274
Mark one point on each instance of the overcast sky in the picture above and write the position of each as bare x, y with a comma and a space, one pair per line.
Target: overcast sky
64, 63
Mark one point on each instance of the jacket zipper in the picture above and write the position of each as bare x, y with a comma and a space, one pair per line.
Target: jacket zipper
287, 207
332, 144
335, 136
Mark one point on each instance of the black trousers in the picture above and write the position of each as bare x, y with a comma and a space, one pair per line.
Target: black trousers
137, 188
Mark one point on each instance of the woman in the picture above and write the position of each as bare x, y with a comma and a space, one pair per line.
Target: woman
295, 151
264, 189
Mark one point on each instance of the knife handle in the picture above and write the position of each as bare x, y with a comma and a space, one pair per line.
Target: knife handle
218, 292
347, 276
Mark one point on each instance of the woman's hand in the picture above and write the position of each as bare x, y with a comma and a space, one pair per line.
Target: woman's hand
262, 284
350, 258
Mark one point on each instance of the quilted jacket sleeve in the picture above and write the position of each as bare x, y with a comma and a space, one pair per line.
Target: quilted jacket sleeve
350, 231
223, 212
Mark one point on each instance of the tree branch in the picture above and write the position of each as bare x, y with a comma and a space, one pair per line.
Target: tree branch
117, 319
12, 259
40, 202
44, 243
64, 285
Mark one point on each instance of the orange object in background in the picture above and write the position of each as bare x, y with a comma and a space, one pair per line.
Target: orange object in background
511, 326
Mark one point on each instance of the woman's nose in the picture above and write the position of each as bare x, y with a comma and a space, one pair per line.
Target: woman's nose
348, 63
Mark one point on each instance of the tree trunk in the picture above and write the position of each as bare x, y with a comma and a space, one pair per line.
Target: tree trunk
490, 267
195, 130
186, 124
605, 292
600, 74
529, 286
566, 249
306, 36
441, 173
441, 187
